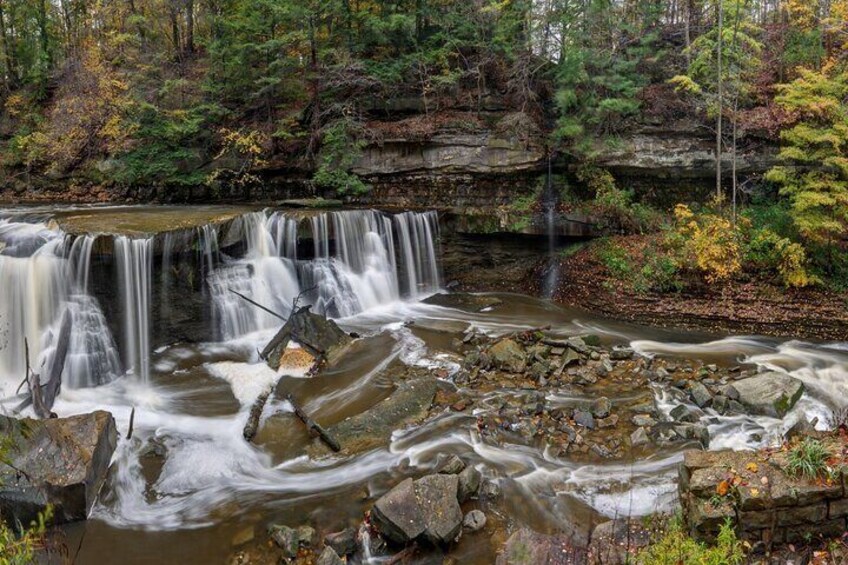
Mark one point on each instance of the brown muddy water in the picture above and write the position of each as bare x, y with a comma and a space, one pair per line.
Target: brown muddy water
187, 488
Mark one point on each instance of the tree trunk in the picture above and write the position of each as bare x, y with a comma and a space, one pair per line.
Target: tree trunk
189, 43
42, 31
8, 57
720, 100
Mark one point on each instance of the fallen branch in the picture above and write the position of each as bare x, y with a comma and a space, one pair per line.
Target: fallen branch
132, 421
312, 426
243, 297
251, 427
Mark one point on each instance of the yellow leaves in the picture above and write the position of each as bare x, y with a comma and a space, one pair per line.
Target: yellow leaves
755, 492
802, 13
711, 242
752, 467
15, 105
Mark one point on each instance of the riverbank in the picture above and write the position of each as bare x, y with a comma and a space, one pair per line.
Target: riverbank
755, 306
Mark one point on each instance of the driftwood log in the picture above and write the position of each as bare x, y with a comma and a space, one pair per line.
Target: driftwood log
313, 426
251, 427
42, 396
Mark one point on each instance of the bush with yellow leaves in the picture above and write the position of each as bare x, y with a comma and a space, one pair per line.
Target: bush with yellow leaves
766, 250
707, 241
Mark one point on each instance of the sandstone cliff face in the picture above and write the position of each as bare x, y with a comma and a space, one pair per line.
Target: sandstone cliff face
484, 153
682, 151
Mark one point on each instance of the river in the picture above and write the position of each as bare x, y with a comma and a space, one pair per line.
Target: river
187, 487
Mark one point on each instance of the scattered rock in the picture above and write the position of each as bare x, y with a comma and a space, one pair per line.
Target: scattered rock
286, 539
329, 557
643, 420
699, 394
474, 521
769, 394
507, 355
608, 422
682, 413
621, 354
59, 462
490, 490
453, 465
584, 418
469, 483
639, 437
601, 407
343, 542
526, 547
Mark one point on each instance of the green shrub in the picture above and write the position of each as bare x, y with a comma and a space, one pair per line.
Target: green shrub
340, 150
660, 273
616, 260
677, 548
808, 459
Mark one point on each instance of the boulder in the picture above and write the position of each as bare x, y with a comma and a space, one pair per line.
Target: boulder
769, 394
442, 515
526, 547
60, 462
426, 508
507, 355
398, 515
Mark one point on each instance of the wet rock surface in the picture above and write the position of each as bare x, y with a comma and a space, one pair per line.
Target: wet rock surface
59, 462
770, 394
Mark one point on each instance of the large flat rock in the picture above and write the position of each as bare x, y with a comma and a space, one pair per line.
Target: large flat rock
60, 462
769, 394
408, 404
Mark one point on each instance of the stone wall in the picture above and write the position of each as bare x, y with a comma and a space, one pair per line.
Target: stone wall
762, 501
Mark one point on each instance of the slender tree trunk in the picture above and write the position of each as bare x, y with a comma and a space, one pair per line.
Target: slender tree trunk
689, 9
8, 57
42, 31
189, 43
720, 100
175, 29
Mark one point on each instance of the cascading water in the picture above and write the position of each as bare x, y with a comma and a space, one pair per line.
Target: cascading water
135, 272
355, 266
42, 274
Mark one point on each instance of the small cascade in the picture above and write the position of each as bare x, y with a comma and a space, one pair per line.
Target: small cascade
135, 273
418, 235
43, 273
550, 202
355, 266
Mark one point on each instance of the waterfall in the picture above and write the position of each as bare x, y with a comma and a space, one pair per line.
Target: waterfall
355, 266
135, 273
42, 274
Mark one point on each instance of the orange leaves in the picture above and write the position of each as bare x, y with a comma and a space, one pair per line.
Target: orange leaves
723, 488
